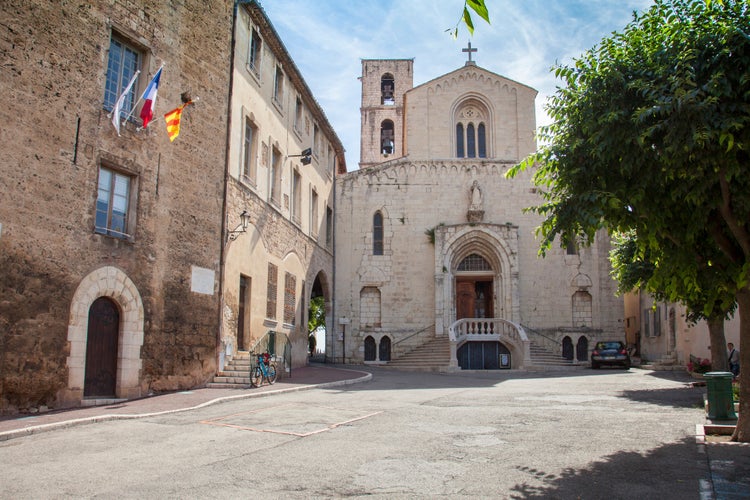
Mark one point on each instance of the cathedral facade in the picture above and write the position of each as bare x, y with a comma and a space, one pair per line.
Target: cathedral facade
432, 240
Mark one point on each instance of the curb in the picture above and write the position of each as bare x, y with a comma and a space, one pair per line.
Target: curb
38, 429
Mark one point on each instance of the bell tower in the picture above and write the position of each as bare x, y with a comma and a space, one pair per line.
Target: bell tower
384, 83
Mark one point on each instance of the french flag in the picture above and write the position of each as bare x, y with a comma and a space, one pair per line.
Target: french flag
149, 99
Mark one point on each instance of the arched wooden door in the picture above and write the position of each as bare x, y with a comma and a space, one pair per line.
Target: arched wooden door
101, 349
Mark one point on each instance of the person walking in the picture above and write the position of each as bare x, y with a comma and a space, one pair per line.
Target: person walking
733, 356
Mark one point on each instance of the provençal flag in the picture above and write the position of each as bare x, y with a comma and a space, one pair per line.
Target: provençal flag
173, 121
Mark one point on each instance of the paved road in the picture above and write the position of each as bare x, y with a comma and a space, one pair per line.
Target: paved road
583, 434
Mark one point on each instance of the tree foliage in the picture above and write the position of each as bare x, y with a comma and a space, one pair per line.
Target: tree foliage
650, 134
317, 316
479, 7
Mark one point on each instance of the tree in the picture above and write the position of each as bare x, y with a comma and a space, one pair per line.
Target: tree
317, 316
650, 133
700, 287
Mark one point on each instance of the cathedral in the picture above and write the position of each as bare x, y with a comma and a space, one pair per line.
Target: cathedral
434, 252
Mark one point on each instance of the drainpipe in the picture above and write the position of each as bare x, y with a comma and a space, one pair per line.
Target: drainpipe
224, 202
332, 336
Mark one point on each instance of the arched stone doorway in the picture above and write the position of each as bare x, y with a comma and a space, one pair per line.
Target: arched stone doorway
112, 283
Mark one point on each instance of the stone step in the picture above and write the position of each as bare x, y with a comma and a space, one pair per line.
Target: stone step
231, 380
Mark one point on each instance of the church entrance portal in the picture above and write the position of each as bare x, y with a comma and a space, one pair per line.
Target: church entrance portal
474, 299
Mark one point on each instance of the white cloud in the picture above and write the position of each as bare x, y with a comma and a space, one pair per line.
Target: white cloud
328, 38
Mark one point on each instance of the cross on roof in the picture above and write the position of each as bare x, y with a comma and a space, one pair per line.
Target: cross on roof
469, 50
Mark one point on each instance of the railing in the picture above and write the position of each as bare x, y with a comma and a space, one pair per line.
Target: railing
432, 326
551, 339
278, 346
488, 329
482, 328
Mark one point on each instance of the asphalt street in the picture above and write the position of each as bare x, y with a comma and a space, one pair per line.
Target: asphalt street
584, 434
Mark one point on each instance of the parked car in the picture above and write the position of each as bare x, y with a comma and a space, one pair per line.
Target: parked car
610, 353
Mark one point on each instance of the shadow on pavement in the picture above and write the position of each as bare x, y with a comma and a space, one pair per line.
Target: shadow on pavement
623, 475
678, 397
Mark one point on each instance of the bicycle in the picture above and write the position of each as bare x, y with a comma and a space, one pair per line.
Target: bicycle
264, 369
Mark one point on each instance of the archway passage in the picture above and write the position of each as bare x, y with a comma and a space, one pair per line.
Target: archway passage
316, 323
101, 349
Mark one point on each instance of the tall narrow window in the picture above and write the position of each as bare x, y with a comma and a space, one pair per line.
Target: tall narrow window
290, 298
122, 64
471, 151
248, 153
253, 56
386, 137
316, 138
460, 140
112, 203
329, 226
331, 159
296, 197
377, 233
482, 141
278, 87
298, 115
314, 214
387, 85
271, 291
275, 175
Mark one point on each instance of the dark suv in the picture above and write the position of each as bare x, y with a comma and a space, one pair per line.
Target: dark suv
610, 353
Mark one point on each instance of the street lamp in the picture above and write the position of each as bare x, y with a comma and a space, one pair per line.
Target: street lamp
244, 221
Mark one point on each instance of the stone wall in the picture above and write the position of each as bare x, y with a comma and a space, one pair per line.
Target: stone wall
56, 135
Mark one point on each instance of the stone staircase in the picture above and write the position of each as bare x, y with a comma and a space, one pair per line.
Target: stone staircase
432, 356
435, 356
667, 362
544, 359
236, 373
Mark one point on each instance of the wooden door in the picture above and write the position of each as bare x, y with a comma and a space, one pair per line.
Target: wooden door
465, 299
241, 314
101, 349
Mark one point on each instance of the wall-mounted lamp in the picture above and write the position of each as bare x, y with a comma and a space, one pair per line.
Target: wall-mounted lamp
306, 156
244, 221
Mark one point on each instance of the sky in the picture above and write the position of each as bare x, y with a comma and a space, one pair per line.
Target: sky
328, 39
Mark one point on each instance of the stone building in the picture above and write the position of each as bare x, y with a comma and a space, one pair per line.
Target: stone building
109, 244
662, 337
433, 248
283, 156
132, 264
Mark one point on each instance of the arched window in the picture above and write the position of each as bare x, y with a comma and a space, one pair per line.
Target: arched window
582, 349
460, 140
387, 86
567, 348
386, 137
370, 348
482, 141
474, 262
471, 150
470, 118
384, 349
377, 234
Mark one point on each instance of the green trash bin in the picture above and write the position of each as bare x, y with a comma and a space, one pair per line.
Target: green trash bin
720, 401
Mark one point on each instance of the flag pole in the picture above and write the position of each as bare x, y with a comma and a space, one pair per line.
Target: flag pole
135, 106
